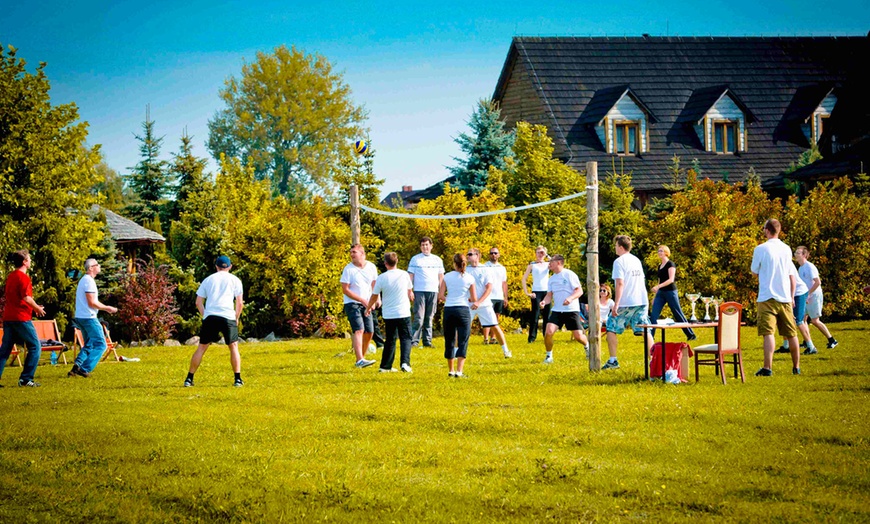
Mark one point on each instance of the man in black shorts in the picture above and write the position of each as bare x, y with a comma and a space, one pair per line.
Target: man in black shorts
214, 300
564, 292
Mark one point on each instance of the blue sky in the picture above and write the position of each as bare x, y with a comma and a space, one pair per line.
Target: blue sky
417, 68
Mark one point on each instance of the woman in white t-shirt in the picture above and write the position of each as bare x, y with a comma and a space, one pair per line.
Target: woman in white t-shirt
605, 305
458, 293
539, 269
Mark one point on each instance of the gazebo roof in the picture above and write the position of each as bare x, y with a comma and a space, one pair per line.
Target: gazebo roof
124, 230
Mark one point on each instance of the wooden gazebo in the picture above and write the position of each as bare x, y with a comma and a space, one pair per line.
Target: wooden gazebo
130, 237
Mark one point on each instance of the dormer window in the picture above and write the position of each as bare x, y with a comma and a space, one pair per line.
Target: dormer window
620, 120
820, 115
719, 119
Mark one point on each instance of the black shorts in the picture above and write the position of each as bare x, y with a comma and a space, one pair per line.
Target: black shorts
358, 320
214, 326
569, 319
498, 306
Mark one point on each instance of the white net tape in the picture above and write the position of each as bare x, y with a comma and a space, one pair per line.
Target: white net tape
473, 215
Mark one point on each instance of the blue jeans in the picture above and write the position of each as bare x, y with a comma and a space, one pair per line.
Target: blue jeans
22, 333
95, 343
672, 299
424, 312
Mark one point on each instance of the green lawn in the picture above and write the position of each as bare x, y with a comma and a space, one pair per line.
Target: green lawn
310, 437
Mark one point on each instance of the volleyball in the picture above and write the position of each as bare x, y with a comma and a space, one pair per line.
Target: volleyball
361, 147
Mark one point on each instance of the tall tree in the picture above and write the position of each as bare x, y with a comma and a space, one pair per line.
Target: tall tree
291, 118
150, 179
189, 172
111, 187
488, 145
46, 178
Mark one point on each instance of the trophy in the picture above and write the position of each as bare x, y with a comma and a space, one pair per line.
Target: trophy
693, 297
706, 301
716, 302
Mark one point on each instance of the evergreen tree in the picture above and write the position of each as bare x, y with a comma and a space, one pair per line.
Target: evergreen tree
487, 146
187, 169
150, 178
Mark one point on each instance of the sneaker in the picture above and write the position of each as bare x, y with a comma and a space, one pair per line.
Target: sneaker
764, 372
611, 365
238, 383
407, 369
460, 374
804, 345
783, 349
363, 363
28, 384
549, 359
493, 340
486, 342
451, 374
188, 382
507, 353
795, 371
391, 370
832, 343
810, 351
77, 372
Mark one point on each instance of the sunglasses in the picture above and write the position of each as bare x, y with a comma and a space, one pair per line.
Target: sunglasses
470, 254
493, 252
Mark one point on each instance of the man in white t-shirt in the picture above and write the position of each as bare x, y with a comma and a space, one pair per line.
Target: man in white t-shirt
214, 300
87, 307
630, 299
810, 275
777, 281
499, 294
427, 272
484, 282
357, 280
396, 291
563, 291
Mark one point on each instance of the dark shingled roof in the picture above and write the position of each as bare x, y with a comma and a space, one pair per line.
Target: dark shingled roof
603, 102
125, 231
777, 79
706, 97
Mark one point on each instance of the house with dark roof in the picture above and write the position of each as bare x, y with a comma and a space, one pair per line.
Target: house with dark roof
734, 104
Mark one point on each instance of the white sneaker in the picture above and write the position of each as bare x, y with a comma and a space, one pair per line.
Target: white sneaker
391, 370
406, 368
507, 353
363, 363
672, 377
451, 374
549, 359
460, 374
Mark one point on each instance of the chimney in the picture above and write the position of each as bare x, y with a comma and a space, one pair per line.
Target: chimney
406, 189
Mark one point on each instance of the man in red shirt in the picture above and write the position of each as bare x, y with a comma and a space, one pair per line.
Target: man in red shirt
17, 314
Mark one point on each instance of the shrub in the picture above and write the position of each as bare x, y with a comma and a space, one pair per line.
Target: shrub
146, 305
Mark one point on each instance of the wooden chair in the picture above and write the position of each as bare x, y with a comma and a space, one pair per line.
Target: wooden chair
15, 354
727, 343
110, 346
47, 330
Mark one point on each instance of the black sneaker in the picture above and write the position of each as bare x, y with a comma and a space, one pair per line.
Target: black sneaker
795, 371
611, 365
783, 349
832, 343
28, 384
188, 382
238, 383
804, 345
810, 351
763, 372
76, 371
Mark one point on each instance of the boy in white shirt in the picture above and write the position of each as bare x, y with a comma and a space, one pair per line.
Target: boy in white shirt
396, 292
564, 292
427, 272
357, 280
630, 300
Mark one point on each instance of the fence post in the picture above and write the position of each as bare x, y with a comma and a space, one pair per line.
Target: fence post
354, 215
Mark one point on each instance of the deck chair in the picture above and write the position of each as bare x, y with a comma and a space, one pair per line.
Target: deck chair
110, 346
49, 336
727, 343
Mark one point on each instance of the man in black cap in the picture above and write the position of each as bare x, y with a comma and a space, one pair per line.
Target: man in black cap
214, 300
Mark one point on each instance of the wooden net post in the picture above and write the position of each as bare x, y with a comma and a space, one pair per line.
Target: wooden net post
354, 215
592, 282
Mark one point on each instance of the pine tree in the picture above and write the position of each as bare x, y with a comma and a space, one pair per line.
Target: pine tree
150, 179
487, 145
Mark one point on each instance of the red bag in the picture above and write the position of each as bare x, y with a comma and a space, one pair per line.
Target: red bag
673, 354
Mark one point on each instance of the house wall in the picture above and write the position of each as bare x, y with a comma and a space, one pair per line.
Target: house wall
520, 101
724, 109
625, 109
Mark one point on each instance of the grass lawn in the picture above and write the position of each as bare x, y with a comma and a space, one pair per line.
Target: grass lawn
310, 437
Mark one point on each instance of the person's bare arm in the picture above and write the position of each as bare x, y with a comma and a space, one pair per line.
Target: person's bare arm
525, 278
39, 310
240, 303
93, 303
200, 305
618, 284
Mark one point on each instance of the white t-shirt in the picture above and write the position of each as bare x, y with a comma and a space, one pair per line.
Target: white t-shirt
808, 273
630, 270
458, 285
86, 285
359, 280
772, 262
482, 276
799, 288
540, 274
562, 285
426, 269
393, 286
500, 274
605, 308
220, 291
